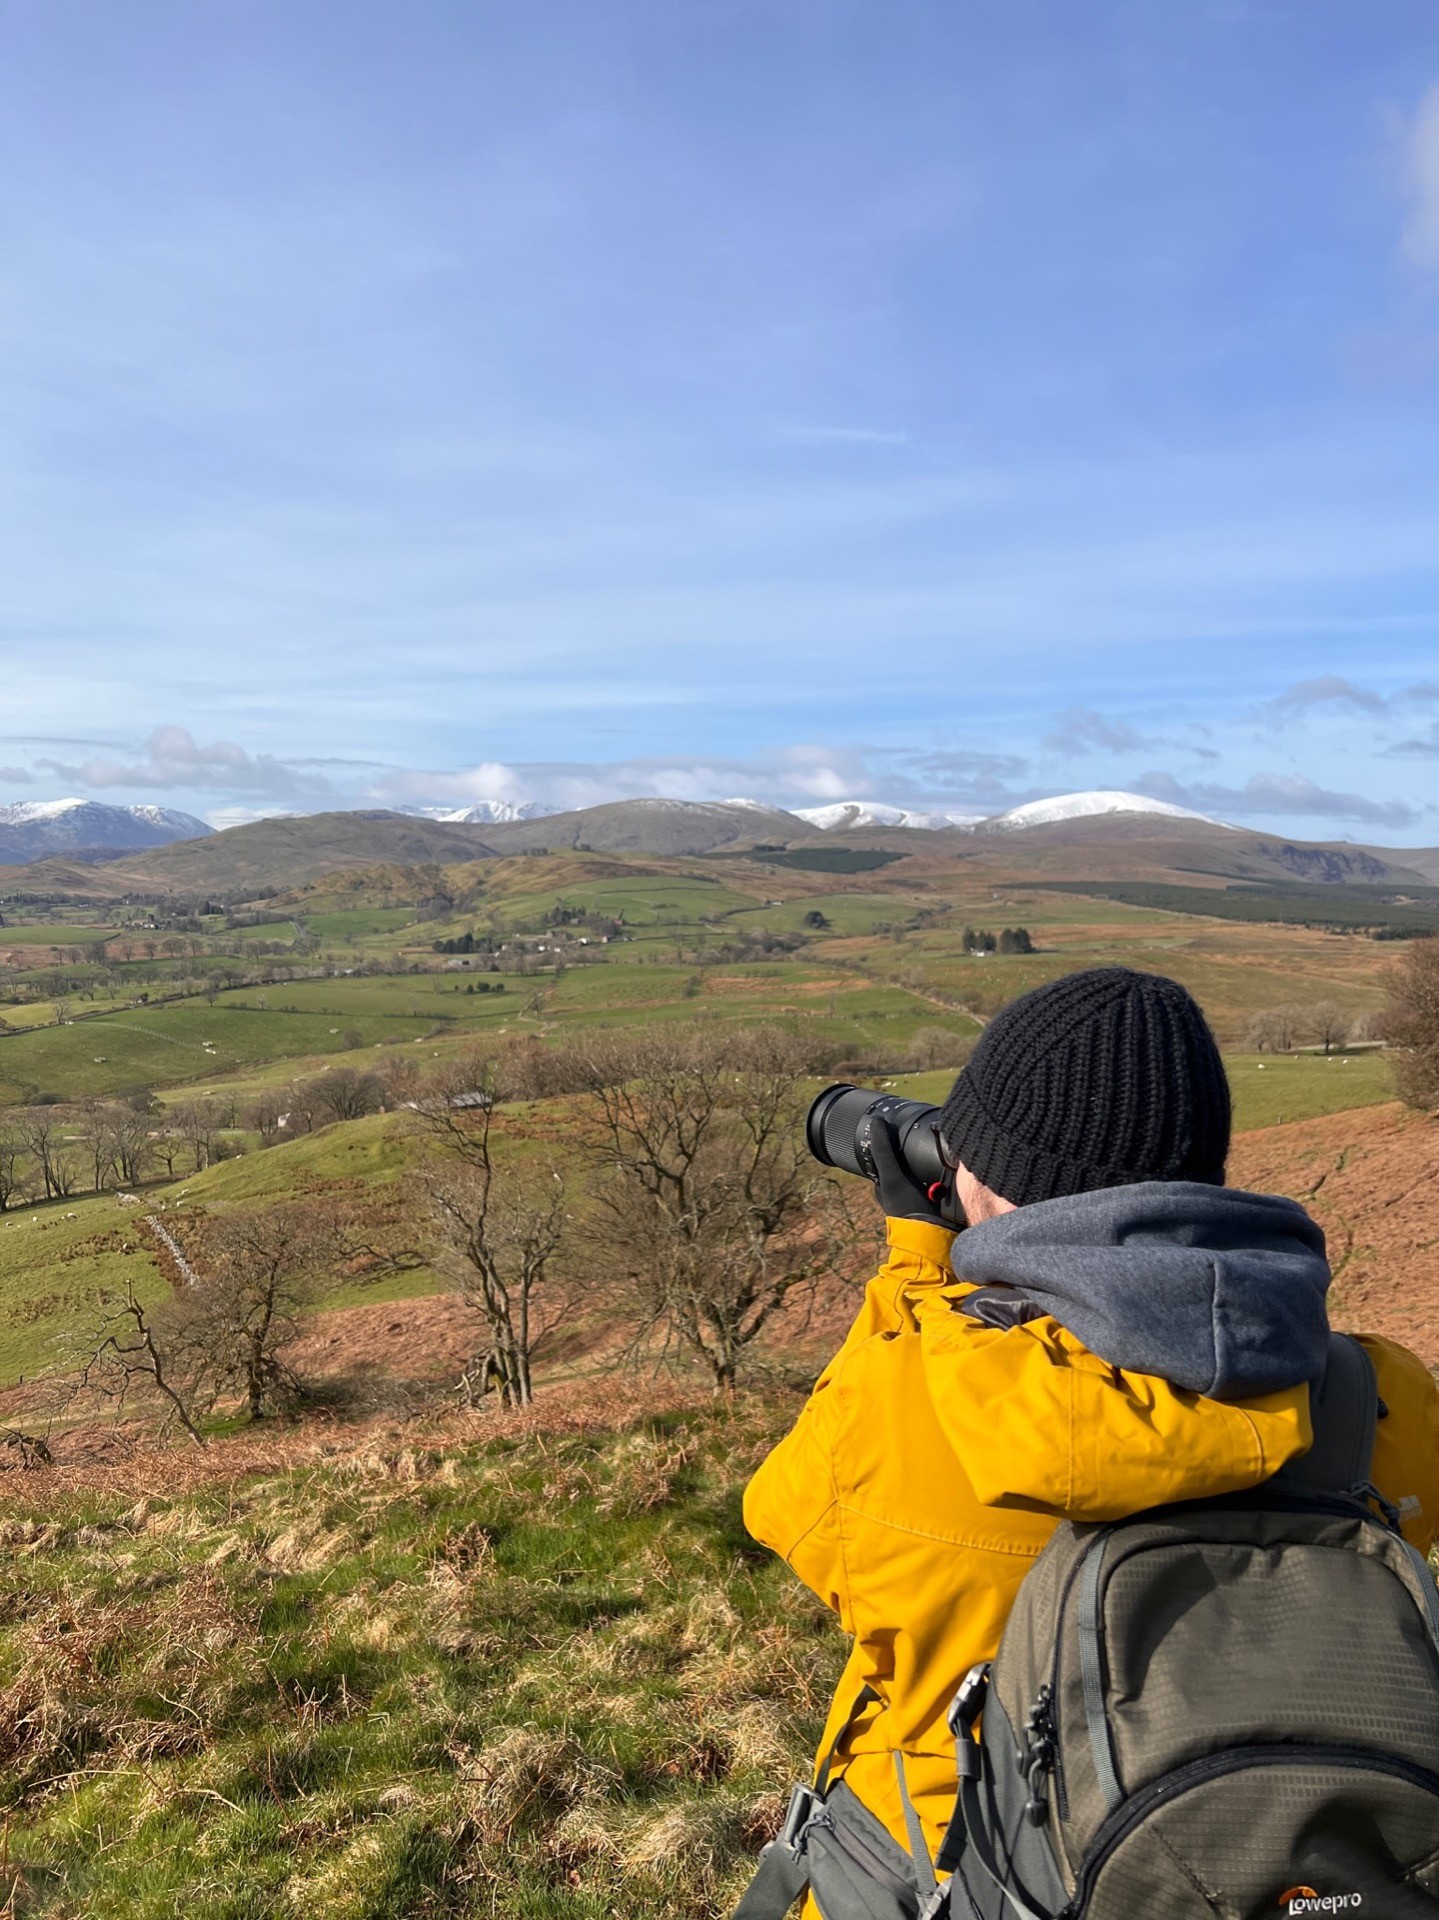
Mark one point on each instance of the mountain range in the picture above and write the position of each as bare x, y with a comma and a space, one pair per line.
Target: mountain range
88, 829
1092, 836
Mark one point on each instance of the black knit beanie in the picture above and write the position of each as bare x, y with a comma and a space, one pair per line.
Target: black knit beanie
1100, 1079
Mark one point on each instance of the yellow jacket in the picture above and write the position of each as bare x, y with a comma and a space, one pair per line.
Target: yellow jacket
937, 1454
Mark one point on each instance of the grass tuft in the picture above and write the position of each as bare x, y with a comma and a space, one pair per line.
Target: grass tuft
528, 1674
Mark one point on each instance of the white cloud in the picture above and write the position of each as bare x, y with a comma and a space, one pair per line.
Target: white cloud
1291, 795
172, 757
1421, 229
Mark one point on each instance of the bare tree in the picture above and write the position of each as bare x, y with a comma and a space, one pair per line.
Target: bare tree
710, 1204
197, 1122
14, 1186
1412, 1023
127, 1346
265, 1113
168, 1145
344, 1094
503, 1225
39, 1132
1274, 1029
1329, 1023
257, 1272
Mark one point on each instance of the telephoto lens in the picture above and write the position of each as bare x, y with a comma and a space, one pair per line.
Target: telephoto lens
840, 1121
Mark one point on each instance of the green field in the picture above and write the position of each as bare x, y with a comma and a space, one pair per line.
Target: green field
176, 1044
357, 923
52, 933
877, 1004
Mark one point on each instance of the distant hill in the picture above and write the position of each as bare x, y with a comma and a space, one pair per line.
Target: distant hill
1123, 846
844, 816
1083, 806
41, 829
651, 826
486, 812
1183, 848
265, 856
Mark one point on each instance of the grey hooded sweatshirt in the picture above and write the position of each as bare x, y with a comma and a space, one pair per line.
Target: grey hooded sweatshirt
1215, 1290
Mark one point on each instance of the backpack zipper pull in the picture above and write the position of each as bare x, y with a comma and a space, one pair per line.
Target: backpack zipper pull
1037, 1759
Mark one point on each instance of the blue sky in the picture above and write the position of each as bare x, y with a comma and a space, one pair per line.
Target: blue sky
944, 403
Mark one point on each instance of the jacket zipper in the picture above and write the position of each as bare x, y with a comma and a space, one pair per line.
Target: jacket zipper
1198, 1773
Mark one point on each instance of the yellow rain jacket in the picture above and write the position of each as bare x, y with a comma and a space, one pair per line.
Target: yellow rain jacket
937, 1454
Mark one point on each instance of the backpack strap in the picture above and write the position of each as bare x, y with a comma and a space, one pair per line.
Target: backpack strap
1344, 1408
783, 1872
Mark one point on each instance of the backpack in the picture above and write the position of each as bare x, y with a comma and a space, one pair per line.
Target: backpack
1227, 1708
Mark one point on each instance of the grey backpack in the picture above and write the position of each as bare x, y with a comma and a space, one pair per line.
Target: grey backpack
1226, 1710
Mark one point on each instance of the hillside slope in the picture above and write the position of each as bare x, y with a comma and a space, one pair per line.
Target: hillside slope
1369, 1178
267, 854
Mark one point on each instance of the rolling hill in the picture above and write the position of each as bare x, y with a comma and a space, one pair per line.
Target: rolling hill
243, 862
1084, 844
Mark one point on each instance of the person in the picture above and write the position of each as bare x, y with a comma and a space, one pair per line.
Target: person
1113, 1330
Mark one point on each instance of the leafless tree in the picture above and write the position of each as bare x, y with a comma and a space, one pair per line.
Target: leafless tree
39, 1131
709, 1203
1412, 1023
1274, 1029
265, 1112
14, 1186
126, 1346
257, 1272
343, 1094
1329, 1023
197, 1122
503, 1224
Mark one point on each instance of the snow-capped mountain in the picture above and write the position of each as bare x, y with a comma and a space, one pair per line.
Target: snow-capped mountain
36, 829
841, 814
486, 812
1084, 806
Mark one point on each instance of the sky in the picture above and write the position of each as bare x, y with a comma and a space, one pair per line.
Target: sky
945, 404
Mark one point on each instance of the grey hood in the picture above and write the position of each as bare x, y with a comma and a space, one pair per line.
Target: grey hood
1215, 1290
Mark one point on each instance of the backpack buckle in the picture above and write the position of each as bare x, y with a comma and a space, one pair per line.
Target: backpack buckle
804, 1803
964, 1710
968, 1703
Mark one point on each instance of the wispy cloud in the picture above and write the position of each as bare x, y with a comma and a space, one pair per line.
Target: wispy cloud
1328, 690
1421, 228
171, 757
1081, 730
1418, 747
1291, 795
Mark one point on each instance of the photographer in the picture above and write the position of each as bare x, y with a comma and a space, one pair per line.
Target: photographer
1114, 1330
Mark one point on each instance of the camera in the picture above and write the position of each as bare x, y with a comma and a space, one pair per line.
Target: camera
841, 1120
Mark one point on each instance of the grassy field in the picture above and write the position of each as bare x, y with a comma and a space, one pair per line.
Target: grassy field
52, 933
53, 1261
544, 1673
183, 1042
876, 1001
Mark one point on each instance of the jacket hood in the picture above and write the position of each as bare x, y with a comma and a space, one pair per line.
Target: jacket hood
1217, 1291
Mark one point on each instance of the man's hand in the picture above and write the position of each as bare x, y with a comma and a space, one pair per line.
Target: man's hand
900, 1195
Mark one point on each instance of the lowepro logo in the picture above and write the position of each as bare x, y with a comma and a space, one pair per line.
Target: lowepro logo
1306, 1900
